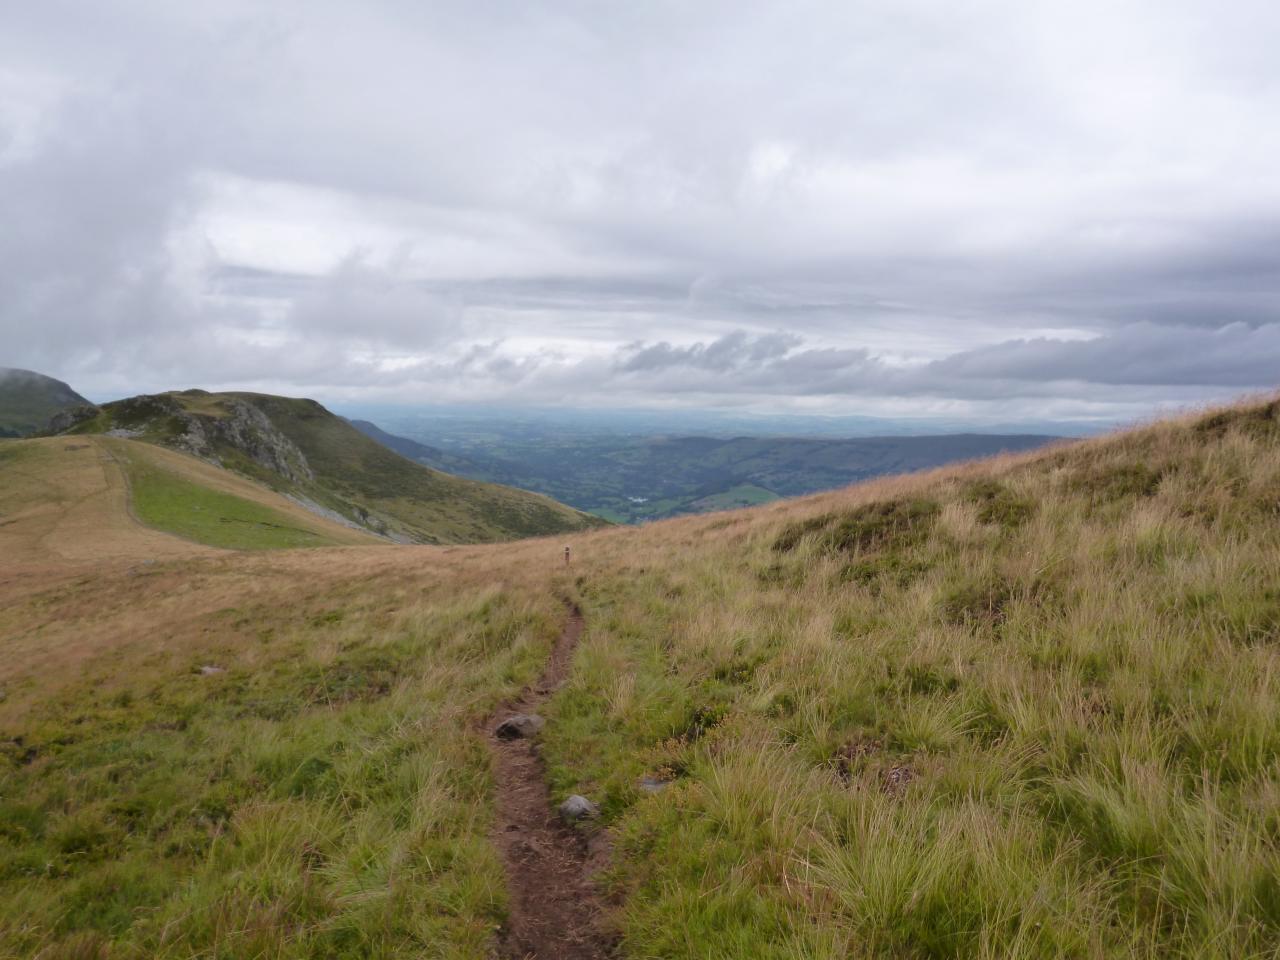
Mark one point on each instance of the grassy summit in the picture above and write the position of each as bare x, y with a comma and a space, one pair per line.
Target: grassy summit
1027, 707
300, 449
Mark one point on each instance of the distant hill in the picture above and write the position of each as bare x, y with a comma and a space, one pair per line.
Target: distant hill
418, 452
298, 448
28, 399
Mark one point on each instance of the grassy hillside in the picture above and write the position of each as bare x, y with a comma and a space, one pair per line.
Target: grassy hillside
277, 758
189, 498
1028, 708
299, 448
94, 498
28, 400
447, 508
1022, 708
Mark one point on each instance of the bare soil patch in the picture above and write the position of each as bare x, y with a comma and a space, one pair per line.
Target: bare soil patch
555, 909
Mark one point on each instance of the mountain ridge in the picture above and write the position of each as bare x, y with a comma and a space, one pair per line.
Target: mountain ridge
298, 447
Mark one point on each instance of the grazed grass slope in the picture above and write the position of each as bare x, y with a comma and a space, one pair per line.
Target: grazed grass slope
167, 502
95, 497
169, 498
63, 502
1023, 708
324, 796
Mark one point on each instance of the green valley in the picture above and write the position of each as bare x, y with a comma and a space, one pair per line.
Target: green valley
628, 478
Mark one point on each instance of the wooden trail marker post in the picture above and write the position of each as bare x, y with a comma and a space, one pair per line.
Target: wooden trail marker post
566, 556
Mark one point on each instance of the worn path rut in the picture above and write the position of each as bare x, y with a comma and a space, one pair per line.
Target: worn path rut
555, 910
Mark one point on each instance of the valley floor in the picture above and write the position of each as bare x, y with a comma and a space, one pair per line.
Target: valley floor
1022, 708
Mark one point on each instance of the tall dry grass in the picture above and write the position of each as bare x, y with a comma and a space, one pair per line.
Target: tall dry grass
1026, 707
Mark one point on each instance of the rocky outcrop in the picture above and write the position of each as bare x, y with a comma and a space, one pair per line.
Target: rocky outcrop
247, 430
64, 420
229, 429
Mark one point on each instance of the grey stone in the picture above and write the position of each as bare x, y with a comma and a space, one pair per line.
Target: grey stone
653, 784
66, 419
578, 808
240, 425
519, 725
209, 670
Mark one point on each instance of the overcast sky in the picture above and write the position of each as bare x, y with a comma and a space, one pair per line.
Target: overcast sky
985, 209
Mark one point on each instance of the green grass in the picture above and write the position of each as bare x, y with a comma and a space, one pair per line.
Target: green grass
1027, 712
164, 500
326, 796
613, 516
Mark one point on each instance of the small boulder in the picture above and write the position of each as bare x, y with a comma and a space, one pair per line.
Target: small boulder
519, 725
578, 808
209, 670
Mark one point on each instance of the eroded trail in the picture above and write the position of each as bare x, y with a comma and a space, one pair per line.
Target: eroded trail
555, 909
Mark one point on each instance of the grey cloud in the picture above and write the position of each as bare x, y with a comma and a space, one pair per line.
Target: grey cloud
360, 304
733, 352
1237, 356
1141, 357
854, 202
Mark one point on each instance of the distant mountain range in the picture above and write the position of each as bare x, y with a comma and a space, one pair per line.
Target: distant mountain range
419, 452
637, 478
454, 419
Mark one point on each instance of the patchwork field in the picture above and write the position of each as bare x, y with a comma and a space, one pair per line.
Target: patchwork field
1027, 707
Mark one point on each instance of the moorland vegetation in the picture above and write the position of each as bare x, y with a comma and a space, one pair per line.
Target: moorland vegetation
1024, 707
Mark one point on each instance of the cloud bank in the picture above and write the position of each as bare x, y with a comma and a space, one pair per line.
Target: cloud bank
853, 207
